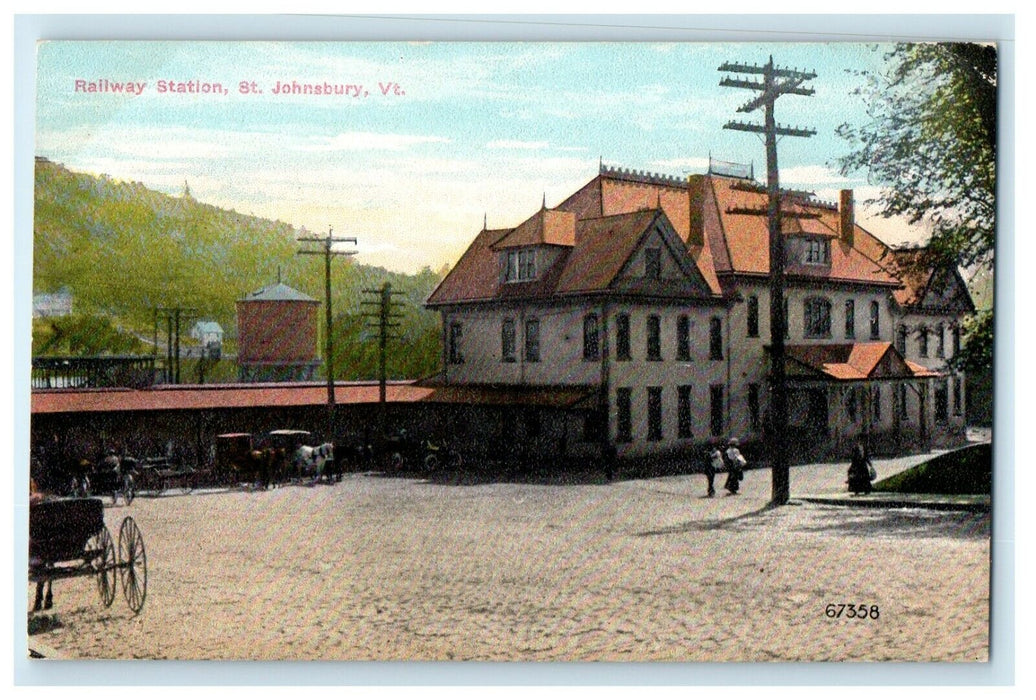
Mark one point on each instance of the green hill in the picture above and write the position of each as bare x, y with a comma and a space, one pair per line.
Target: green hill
965, 471
123, 250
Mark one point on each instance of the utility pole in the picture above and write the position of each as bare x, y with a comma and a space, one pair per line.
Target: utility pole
172, 318
327, 242
384, 315
775, 82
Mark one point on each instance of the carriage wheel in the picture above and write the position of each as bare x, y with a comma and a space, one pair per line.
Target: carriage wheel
103, 562
132, 564
431, 462
397, 461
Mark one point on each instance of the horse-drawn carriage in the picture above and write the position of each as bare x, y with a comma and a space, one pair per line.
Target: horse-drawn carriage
158, 474
277, 457
68, 539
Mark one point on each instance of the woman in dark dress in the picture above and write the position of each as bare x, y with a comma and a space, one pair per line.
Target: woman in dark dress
859, 471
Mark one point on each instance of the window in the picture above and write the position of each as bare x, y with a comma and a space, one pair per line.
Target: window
715, 338
591, 344
940, 341
902, 401
958, 404
875, 321
941, 401
956, 340
683, 410
753, 316
716, 410
816, 251
622, 337
520, 266
508, 337
532, 340
654, 338
922, 342
817, 317
511, 272
683, 338
753, 407
624, 412
850, 318
654, 394
456, 334
653, 263
850, 405
876, 403
901, 337
526, 264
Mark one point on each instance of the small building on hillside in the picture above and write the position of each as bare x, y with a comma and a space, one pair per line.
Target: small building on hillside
277, 335
207, 333
52, 305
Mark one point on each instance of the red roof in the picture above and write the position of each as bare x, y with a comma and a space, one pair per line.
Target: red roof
181, 397
599, 250
856, 361
198, 397
720, 219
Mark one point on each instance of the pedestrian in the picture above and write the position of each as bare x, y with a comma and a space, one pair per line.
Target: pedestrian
735, 467
713, 464
860, 471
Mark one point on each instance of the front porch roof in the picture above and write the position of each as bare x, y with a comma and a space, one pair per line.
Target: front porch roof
848, 362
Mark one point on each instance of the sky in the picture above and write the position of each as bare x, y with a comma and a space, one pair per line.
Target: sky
438, 136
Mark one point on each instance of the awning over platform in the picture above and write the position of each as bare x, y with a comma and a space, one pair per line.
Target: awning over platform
848, 362
201, 397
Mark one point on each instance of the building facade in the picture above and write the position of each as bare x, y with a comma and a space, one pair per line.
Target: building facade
652, 293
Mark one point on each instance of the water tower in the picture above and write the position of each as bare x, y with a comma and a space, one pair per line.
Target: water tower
277, 335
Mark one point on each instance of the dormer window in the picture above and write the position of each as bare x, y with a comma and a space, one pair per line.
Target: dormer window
818, 251
520, 265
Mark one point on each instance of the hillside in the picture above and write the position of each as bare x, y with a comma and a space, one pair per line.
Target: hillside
123, 250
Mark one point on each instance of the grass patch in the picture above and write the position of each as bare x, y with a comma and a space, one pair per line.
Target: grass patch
965, 471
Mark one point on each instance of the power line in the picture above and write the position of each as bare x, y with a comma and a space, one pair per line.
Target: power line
327, 242
775, 82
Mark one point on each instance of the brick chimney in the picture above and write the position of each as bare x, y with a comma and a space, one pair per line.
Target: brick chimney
846, 217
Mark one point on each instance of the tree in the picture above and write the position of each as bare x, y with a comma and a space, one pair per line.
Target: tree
930, 142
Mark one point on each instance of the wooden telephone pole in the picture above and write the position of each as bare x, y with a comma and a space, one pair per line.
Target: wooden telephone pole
775, 82
383, 322
327, 242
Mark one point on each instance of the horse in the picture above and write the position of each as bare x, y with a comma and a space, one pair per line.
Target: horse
311, 461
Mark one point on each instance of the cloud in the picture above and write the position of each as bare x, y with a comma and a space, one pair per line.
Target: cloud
811, 175
529, 145
682, 164
370, 141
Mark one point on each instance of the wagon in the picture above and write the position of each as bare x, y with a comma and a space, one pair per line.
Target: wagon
68, 539
158, 474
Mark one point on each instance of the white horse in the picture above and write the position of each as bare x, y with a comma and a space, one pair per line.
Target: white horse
311, 461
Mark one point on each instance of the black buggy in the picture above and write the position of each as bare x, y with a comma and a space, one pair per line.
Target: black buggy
68, 539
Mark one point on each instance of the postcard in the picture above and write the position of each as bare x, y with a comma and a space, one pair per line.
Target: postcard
512, 351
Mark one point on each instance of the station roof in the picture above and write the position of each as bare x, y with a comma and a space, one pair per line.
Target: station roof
222, 396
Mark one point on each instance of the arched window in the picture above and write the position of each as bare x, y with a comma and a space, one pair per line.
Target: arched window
875, 320
817, 318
